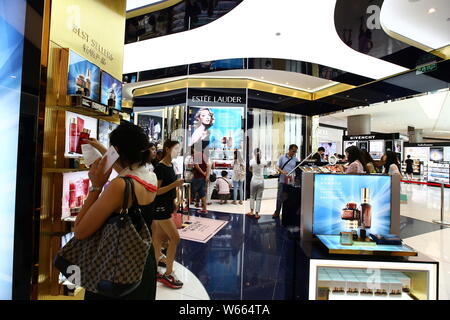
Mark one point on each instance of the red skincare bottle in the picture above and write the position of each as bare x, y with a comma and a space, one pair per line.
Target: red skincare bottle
72, 195
73, 138
83, 135
80, 127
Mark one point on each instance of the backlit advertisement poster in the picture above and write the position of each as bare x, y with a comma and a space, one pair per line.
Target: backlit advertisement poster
345, 202
104, 129
111, 91
330, 147
78, 127
12, 24
75, 191
436, 154
216, 127
84, 77
152, 126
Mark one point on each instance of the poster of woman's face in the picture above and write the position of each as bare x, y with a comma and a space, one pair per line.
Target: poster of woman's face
216, 127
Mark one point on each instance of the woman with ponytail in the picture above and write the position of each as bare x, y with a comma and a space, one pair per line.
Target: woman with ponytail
257, 183
163, 227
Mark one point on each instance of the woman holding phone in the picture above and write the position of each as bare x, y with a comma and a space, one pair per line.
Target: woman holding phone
131, 143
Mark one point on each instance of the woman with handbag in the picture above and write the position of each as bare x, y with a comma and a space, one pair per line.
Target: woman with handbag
163, 227
119, 205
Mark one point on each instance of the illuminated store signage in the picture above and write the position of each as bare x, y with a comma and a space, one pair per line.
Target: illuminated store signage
378, 136
12, 23
220, 99
199, 97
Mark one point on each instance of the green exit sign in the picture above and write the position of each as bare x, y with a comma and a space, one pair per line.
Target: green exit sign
427, 68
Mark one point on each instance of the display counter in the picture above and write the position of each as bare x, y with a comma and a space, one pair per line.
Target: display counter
365, 277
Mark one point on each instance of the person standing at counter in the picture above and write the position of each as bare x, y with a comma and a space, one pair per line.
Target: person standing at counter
285, 164
355, 160
318, 156
368, 160
391, 163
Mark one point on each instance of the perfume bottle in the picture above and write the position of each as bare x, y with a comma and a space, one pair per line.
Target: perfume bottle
73, 138
87, 88
112, 97
366, 208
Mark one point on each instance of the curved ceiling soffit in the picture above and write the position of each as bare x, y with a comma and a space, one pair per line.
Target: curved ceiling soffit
289, 36
425, 24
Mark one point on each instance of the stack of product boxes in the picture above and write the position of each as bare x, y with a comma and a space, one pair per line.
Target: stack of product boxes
363, 281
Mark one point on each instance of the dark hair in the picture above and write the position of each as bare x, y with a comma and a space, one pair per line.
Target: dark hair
391, 158
168, 144
224, 173
409, 156
354, 153
257, 153
292, 146
132, 144
366, 156
237, 155
321, 149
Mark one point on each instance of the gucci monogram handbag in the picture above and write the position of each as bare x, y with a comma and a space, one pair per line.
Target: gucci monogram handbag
111, 261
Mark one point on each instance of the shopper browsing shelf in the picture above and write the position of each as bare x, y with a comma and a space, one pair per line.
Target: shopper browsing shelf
257, 166
210, 183
223, 187
285, 164
391, 163
409, 167
238, 177
163, 226
132, 145
355, 160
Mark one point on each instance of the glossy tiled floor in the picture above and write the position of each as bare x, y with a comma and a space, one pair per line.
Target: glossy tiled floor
254, 259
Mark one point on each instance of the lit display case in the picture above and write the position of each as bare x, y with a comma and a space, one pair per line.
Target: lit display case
373, 280
437, 172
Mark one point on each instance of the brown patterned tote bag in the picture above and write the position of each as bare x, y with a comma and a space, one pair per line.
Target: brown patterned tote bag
111, 261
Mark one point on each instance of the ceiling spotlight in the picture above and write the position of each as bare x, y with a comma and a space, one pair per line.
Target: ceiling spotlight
431, 10
262, 78
287, 82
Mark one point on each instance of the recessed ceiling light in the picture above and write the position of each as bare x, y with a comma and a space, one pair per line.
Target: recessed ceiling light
262, 77
431, 10
287, 82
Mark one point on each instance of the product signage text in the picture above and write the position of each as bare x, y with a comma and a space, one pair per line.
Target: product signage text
362, 137
378, 136
219, 99
92, 47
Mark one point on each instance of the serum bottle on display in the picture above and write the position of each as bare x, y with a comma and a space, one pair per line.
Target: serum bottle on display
366, 208
87, 90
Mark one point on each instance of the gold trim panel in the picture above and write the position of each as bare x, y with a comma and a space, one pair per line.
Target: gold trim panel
152, 8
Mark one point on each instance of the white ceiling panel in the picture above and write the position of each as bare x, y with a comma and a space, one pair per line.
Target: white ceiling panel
284, 29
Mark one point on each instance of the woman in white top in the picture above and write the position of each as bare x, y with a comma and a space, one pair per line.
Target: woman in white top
355, 160
238, 177
391, 163
257, 183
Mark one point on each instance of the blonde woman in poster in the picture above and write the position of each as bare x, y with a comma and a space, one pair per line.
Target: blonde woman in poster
203, 120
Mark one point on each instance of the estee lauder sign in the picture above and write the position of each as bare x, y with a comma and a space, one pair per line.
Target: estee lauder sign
92, 48
217, 99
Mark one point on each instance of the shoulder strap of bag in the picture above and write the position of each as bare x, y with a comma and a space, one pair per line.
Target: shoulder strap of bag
126, 195
133, 194
284, 165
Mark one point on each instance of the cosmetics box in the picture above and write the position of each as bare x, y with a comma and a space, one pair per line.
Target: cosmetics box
389, 239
